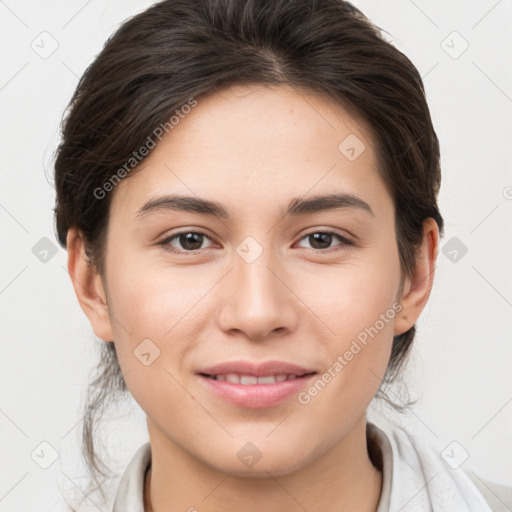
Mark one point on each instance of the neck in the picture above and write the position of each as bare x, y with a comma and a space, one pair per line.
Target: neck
342, 479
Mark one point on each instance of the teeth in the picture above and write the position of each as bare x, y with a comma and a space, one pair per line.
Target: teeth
270, 379
251, 379
248, 379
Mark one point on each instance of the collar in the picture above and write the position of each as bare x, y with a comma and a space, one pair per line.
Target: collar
130, 492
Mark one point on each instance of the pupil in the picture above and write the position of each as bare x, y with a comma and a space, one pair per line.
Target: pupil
190, 241
317, 237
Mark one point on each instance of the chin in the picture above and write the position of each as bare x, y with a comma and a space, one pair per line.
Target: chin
264, 467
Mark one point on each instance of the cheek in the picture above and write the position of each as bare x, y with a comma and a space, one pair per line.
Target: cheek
149, 316
352, 296
357, 356
358, 303
153, 301
155, 313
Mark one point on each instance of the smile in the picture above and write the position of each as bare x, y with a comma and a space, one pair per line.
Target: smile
249, 391
249, 380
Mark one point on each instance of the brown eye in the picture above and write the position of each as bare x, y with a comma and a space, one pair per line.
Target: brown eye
187, 241
321, 240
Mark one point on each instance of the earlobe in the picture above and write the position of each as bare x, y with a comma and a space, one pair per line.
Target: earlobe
88, 286
417, 288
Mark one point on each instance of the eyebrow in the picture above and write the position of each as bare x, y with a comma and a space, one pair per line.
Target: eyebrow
297, 206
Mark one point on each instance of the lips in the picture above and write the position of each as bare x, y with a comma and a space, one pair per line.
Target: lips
249, 380
252, 385
280, 370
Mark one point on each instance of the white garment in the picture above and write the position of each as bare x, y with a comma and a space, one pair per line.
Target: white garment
415, 478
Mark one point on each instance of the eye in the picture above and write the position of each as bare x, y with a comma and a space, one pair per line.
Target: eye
321, 240
190, 241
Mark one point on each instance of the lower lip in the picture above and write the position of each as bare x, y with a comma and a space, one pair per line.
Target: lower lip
256, 396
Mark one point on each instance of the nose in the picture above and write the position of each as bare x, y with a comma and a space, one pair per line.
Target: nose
257, 299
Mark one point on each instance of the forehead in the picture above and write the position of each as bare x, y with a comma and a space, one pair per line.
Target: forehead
257, 145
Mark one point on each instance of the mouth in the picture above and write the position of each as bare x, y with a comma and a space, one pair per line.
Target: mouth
252, 385
251, 380
246, 371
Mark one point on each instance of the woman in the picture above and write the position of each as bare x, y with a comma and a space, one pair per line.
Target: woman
248, 195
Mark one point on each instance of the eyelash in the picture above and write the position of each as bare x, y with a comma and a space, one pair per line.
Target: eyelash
165, 243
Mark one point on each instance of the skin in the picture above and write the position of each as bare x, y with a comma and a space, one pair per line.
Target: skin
254, 149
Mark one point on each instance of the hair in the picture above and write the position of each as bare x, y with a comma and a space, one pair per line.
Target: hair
176, 50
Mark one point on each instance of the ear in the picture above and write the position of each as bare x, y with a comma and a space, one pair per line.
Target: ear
416, 290
88, 285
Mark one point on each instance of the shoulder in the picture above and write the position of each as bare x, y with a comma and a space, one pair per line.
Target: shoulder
498, 497
415, 461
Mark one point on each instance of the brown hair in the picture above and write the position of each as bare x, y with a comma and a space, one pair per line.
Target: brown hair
179, 49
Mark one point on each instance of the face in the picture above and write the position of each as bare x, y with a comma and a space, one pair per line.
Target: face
277, 278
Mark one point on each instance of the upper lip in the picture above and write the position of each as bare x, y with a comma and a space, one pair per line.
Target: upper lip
257, 369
